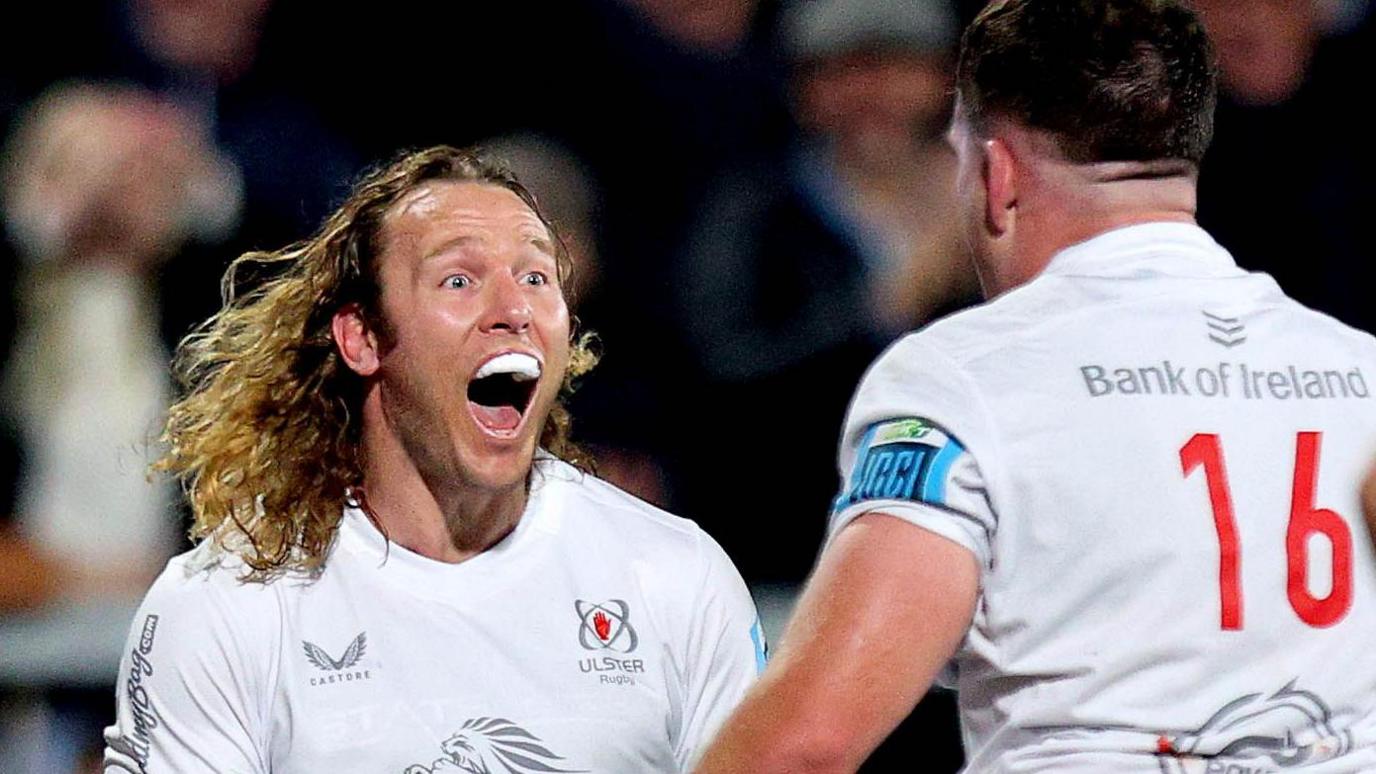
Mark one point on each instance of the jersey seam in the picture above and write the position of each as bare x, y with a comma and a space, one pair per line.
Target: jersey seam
996, 441
275, 681
703, 576
995, 438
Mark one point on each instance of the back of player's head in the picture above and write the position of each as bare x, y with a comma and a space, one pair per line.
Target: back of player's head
1111, 80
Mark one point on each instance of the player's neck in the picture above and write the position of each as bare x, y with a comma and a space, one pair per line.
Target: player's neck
1063, 218
437, 516
470, 526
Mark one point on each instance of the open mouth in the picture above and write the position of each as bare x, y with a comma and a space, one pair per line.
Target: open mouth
501, 391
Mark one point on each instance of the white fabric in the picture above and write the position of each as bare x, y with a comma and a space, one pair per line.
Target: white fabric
1098, 639
601, 635
91, 389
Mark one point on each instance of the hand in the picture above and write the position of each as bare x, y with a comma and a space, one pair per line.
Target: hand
110, 173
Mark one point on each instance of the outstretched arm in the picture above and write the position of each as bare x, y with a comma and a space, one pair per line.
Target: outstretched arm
887, 606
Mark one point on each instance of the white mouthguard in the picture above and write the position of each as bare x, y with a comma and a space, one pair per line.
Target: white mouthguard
522, 368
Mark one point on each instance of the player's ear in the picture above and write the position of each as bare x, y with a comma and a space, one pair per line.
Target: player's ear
356, 340
1001, 197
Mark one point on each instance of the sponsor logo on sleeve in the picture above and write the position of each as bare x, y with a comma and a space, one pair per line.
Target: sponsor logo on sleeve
493, 746
901, 459
338, 670
136, 745
1257, 734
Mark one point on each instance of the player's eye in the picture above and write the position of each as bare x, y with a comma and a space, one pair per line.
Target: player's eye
536, 278
456, 281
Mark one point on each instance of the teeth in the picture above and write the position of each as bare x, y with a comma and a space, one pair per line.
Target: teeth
522, 368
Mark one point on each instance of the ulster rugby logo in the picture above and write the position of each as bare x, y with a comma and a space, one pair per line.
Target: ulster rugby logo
605, 626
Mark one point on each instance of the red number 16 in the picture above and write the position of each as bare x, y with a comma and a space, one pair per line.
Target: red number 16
1305, 520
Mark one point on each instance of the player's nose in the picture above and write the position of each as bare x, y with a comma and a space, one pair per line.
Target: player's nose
507, 307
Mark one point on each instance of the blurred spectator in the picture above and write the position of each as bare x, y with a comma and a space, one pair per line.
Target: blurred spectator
182, 149
1343, 16
230, 67
670, 99
1286, 184
187, 142
211, 58
184, 144
801, 266
103, 185
1265, 47
718, 26
872, 89
212, 41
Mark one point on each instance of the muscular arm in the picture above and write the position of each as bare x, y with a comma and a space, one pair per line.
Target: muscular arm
886, 608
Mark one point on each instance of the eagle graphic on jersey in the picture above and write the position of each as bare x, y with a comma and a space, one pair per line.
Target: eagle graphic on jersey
1292, 727
493, 746
317, 655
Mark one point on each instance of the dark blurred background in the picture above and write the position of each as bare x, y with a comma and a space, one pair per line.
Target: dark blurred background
756, 192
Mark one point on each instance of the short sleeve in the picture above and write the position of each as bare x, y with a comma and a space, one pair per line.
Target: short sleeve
726, 652
191, 691
915, 440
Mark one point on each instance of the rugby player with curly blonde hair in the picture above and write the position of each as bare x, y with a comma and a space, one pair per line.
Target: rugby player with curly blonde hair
399, 544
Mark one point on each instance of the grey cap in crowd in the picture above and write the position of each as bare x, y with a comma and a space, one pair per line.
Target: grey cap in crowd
818, 28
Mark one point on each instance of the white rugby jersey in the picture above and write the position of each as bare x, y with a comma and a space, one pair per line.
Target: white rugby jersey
1155, 456
601, 635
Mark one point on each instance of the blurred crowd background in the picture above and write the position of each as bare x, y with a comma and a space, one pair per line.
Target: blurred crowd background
757, 194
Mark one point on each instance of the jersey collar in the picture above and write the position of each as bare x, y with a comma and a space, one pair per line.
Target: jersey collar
1177, 249
515, 556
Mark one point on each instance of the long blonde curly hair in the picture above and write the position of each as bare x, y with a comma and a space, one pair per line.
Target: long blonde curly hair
266, 438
